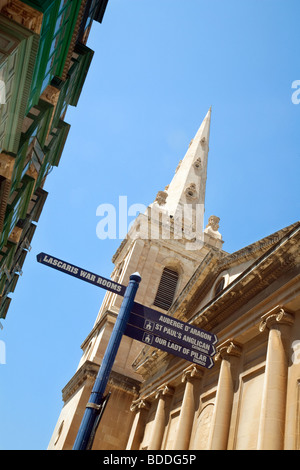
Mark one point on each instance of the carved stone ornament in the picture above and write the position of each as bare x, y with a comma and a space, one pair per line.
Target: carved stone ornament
161, 197
191, 192
23, 14
140, 404
178, 166
276, 316
228, 348
51, 95
197, 164
192, 372
6, 165
213, 222
164, 390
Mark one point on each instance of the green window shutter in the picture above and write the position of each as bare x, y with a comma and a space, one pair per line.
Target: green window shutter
17, 210
7, 255
57, 29
2, 284
4, 306
50, 10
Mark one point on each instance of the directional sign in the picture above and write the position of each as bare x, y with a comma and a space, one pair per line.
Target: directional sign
147, 325
80, 273
138, 322
170, 328
176, 349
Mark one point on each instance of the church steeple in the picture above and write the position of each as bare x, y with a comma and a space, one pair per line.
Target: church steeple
184, 197
189, 181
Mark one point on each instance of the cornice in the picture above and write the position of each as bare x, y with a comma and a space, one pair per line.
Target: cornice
89, 371
107, 316
73, 39
214, 263
198, 285
23, 14
261, 246
124, 383
263, 272
179, 245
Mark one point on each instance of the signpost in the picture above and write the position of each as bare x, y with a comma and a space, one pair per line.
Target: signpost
169, 346
80, 273
138, 322
94, 405
172, 329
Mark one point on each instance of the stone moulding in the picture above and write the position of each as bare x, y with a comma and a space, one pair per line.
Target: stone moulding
263, 272
89, 371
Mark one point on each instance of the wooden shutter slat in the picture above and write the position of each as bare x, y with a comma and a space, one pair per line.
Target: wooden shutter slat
166, 289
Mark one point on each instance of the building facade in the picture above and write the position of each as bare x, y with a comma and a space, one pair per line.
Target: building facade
250, 299
44, 60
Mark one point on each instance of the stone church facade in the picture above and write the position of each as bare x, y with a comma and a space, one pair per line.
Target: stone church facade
250, 299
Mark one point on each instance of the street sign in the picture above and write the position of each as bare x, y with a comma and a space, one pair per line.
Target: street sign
173, 329
147, 325
168, 346
80, 273
138, 322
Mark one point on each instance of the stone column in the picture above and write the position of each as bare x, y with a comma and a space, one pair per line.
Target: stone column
272, 417
187, 412
159, 423
228, 352
140, 408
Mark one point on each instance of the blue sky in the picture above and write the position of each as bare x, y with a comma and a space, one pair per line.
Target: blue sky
158, 67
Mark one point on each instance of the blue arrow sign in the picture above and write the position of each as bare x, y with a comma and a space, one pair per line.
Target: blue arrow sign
80, 273
174, 333
173, 329
168, 346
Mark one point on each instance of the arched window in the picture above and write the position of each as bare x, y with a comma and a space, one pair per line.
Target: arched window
166, 289
220, 286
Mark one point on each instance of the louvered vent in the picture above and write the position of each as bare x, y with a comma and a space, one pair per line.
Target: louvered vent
166, 289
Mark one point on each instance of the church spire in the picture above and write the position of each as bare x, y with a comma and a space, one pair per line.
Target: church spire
189, 181
186, 192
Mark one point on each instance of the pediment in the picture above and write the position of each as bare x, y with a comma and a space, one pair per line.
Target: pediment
266, 259
218, 271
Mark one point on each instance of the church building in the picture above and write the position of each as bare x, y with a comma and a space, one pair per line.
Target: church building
249, 299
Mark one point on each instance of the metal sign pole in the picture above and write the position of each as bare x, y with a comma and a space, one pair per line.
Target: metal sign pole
93, 408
